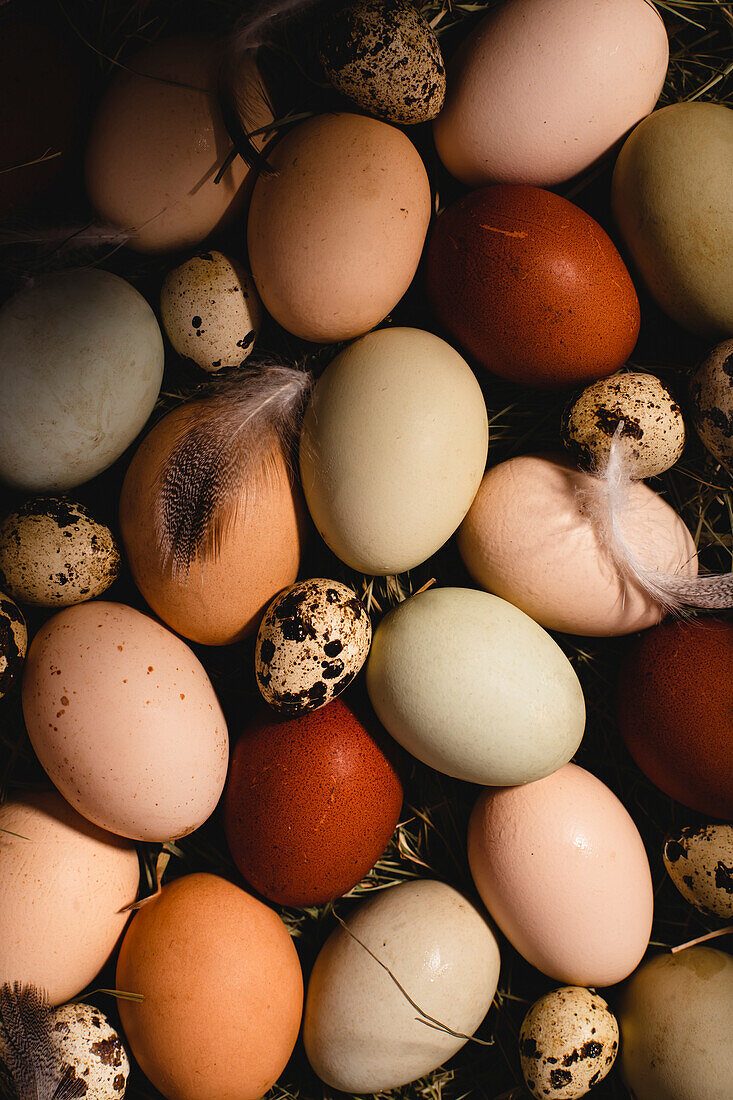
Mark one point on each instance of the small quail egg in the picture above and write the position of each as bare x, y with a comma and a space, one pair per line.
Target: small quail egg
711, 397
13, 643
211, 311
383, 55
653, 435
567, 1043
700, 863
92, 1049
54, 554
313, 640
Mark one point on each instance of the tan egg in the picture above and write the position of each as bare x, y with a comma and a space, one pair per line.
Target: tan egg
54, 554
211, 311
699, 860
313, 640
92, 1050
13, 643
568, 1042
63, 886
335, 233
711, 397
653, 433
158, 140
221, 599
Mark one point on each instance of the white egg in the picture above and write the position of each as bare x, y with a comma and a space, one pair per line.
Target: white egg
92, 1050
13, 643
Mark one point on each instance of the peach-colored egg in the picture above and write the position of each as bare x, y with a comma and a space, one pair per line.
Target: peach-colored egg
527, 539
222, 597
562, 869
125, 721
158, 141
63, 886
335, 234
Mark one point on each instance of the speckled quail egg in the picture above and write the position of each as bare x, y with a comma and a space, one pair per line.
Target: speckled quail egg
211, 311
93, 1050
313, 640
567, 1043
385, 57
54, 554
13, 643
700, 863
653, 433
711, 397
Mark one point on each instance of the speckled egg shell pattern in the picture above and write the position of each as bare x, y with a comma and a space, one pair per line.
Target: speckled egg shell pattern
567, 1043
386, 58
653, 432
54, 554
92, 1050
700, 863
13, 643
313, 640
711, 397
211, 311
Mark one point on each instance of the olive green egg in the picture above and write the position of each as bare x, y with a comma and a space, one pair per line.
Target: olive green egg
673, 203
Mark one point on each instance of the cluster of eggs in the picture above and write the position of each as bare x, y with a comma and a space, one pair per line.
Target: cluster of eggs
392, 459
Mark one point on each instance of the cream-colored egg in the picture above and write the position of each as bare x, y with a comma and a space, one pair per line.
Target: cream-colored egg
13, 643
313, 640
93, 1051
653, 434
393, 447
711, 397
567, 1043
211, 311
699, 860
54, 554
361, 1033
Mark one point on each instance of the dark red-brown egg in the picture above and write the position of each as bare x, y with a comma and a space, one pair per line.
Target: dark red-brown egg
531, 286
675, 711
310, 803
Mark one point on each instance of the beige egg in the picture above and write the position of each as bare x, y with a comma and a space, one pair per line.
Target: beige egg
92, 1050
711, 397
567, 1043
653, 433
313, 640
699, 860
54, 554
211, 311
385, 56
361, 1033
63, 886
13, 643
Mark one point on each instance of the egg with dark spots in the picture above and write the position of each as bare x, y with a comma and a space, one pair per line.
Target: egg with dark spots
91, 1051
13, 643
310, 803
313, 640
711, 398
54, 554
386, 58
699, 860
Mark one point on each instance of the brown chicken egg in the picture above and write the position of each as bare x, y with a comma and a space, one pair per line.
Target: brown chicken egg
531, 286
310, 804
220, 599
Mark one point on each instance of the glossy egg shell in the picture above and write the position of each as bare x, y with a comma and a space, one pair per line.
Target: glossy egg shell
675, 711
223, 991
531, 286
310, 803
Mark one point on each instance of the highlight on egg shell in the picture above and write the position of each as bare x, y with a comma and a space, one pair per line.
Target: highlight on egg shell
124, 720
699, 860
13, 644
64, 885
711, 398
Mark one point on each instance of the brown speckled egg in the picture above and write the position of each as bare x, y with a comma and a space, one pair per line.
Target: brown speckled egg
675, 711
313, 640
567, 1043
310, 803
92, 1050
653, 433
531, 287
13, 643
54, 554
699, 860
386, 57
711, 397
211, 311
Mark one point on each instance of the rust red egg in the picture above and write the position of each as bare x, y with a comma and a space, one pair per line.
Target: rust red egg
532, 287
675, 711
310, 803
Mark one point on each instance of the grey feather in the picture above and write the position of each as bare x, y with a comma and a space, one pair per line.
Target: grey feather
33, 1066
234, 441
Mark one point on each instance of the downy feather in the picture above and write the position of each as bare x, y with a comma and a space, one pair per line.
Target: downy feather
34, 1068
